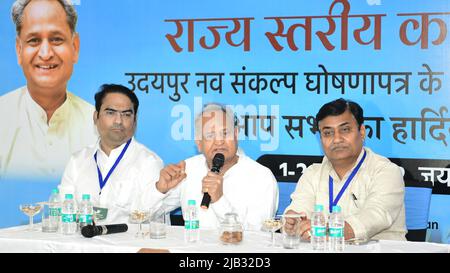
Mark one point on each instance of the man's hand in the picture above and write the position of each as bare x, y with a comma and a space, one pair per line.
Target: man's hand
292, 226
305, 229
348, 232
212, 183
170, 176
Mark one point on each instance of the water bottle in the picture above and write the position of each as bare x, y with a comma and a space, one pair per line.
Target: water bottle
69, 215
191, 223
336, 229
318, 229
85, 211
54, 203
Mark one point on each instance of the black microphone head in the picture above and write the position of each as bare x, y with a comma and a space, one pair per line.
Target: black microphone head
218, 161
89, 231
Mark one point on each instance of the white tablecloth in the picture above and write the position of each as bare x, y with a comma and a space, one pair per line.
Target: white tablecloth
19, 239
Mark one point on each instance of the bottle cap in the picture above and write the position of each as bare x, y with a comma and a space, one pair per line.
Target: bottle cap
336, 209
86, 197
318, 208
69, 196
191, 202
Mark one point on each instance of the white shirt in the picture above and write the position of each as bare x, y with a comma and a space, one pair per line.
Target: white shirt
31, 148
249, 189
131, 185
378, 211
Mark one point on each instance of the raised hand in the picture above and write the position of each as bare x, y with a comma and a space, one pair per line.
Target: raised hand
170, 176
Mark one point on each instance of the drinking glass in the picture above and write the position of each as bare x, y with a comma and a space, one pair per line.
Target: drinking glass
290, 232
158, 223
50, 222
30, 210
273, 224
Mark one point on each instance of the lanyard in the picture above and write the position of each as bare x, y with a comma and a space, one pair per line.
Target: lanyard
349, 179
100, 177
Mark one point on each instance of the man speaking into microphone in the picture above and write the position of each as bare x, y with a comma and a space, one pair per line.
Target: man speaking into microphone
233, 181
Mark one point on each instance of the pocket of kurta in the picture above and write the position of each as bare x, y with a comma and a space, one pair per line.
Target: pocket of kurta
358, 196
122, 194
356, 205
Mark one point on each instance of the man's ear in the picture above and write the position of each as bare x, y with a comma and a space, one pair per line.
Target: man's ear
135, 124
199, 145
95, 117
76, 47
362, 131
18, 51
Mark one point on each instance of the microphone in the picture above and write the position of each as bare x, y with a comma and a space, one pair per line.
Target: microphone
217, 163
90, 231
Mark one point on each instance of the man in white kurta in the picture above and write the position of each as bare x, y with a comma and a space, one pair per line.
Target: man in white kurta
42, 124
368, 187
31, 147
249, 189
372, 204
118, 172
242, 186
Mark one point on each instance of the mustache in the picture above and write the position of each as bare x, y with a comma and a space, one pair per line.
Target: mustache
335, 147
117, 126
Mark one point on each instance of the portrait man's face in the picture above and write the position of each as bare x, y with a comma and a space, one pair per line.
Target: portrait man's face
116, 121
46, 48
218, 136
341, 137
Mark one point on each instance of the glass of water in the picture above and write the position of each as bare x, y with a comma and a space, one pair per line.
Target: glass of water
50, 218
159, 219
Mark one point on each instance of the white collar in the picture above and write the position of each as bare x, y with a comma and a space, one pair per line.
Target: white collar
114, 152
333, 172
38, 114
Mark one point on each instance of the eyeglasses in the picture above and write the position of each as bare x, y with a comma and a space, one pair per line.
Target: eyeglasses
330, 133
111, 113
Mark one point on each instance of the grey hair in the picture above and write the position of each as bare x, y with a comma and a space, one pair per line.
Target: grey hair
19, 6
214, 107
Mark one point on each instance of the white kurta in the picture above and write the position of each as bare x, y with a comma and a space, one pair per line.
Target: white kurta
131, 185
249, 189
31, 148
378, 211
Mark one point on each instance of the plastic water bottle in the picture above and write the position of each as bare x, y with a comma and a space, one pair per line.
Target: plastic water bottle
318, 228
85, 211
336, 228
191, 223
54, 203
69, 215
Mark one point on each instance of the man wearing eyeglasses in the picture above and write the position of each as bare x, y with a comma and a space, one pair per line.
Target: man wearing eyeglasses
242, 185
368, 187
118, 172
43, 123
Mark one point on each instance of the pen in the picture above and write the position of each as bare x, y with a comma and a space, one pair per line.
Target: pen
354, 199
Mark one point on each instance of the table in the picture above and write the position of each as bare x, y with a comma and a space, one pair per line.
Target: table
19, 239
